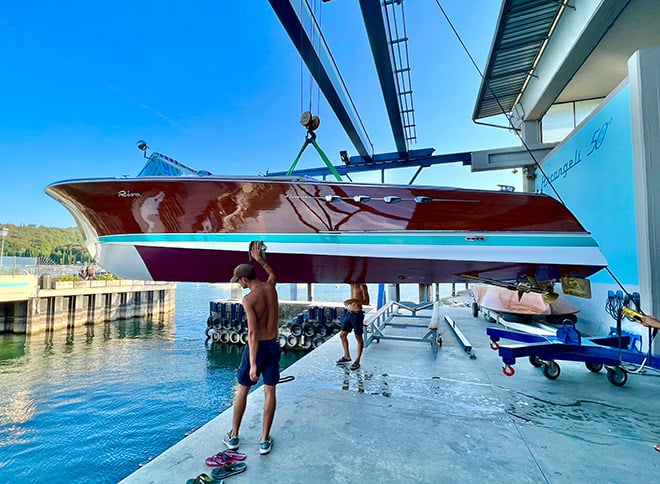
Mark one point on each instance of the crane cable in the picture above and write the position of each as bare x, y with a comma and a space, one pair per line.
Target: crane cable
317, 13
522, 140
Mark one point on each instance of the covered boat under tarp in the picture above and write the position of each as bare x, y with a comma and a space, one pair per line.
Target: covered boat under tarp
526, 307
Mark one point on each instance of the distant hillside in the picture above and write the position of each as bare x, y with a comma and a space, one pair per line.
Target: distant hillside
62, 246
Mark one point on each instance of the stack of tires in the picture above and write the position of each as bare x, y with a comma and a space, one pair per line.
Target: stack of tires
227, 323
310, 329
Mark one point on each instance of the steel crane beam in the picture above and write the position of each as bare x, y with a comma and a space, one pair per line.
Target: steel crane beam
375, 25
301, 25
422, 158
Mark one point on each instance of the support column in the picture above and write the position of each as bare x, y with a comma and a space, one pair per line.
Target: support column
531, 133
394, 292
424, 292
644, 78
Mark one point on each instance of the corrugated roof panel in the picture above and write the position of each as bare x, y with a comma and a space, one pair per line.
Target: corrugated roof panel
503, 82
522, 29
514, 60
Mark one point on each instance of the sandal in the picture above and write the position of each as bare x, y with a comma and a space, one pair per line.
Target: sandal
203, 479
233, 455
343, 360
225, 457
355, 366
229, 470
216, 461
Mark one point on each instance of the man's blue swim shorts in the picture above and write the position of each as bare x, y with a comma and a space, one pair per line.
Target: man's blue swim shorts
268, 363
353, 320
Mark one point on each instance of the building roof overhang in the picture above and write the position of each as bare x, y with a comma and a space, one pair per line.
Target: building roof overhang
550, 51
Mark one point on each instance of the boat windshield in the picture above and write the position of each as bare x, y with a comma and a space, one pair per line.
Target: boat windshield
161, 165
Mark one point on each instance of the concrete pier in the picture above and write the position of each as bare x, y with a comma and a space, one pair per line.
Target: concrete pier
409, 415
29, 306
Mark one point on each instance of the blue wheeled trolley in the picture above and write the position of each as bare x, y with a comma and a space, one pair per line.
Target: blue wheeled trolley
614, 352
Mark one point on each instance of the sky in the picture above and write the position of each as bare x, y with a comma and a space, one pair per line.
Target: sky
217, 85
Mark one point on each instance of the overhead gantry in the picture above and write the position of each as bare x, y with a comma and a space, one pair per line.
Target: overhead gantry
385, 25
394, 76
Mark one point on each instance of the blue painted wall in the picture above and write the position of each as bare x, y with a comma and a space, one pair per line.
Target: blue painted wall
593, 172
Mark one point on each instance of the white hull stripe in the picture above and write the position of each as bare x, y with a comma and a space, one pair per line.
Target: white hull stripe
538, 254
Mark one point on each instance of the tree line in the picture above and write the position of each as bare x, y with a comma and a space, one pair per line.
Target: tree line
62, 246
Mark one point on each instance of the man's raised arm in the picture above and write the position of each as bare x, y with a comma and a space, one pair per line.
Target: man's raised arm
257, 248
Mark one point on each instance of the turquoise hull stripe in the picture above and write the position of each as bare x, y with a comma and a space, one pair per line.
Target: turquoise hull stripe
531, 240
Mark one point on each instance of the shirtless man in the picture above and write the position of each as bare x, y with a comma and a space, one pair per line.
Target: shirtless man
261, 356
353, 320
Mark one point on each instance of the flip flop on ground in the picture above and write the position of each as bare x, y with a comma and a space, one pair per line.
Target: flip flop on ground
355, 366
232, 455
225, 457
203, 479
343, 360
228, 470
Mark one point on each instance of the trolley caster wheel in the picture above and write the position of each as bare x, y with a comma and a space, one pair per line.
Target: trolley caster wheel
475, 310
551, 370
535, 361
617, 376
494, 345
595, 367
508, 370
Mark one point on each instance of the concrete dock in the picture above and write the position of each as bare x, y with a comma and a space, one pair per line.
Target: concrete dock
31, 305
409, 415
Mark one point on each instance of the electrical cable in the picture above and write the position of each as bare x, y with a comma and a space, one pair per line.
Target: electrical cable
615, 302
499, 104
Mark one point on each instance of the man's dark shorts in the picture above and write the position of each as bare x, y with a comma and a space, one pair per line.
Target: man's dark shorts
353, 321
268, 363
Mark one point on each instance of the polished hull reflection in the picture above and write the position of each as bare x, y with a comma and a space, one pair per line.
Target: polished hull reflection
198, 228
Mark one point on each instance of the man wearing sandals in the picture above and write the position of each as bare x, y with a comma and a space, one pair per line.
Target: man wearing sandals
353, 320
261, 356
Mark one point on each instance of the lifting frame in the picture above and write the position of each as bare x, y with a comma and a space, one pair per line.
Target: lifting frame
385, 315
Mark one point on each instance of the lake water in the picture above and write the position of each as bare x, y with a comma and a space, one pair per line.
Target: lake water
93, 404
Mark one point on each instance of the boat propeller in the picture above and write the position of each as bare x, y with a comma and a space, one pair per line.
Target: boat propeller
544, 288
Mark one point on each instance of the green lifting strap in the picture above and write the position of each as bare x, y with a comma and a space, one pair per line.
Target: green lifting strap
311, 139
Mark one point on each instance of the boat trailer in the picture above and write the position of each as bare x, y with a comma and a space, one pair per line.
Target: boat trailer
613, 352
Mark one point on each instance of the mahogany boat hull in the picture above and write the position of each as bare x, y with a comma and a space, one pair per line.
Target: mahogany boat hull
198, 228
